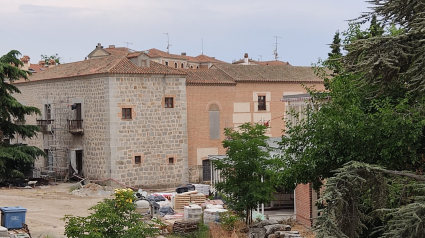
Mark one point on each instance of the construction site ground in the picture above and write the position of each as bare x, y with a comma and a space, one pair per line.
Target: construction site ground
46, 205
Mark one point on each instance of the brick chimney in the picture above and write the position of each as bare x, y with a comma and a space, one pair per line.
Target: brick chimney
52, 63
111, 46
26, 61
42, 63
245, 59
99, 46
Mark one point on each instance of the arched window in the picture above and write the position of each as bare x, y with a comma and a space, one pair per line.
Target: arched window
197, 67
214, 112
182, 66
191, 66
175, 65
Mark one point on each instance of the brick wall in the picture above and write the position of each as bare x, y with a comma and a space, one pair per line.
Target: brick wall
200, 97
303, 204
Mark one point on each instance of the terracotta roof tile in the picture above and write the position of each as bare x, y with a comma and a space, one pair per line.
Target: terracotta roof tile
37, 68
118, 50
271, 62
207, 76
113, 64
154, 53
207, 59
267, 73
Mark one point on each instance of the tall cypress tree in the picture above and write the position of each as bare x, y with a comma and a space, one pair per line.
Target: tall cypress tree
333, 62
375, 28
15, 159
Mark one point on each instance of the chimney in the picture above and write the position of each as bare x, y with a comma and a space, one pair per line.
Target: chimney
52, 63
183, 53
245, 59
111, 46
42, 63
99, 46
26, 61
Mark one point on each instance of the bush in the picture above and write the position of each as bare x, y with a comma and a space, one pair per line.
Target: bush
111, 218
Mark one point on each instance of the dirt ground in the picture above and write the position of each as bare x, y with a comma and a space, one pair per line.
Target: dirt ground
46, 205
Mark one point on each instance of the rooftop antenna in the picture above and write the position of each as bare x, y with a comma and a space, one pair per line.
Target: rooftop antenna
128, 43
275, 49
261, 58
202, 45
168, 43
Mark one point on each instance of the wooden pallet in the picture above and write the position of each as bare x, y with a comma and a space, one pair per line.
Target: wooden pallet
195, 198
184, 227
181, 201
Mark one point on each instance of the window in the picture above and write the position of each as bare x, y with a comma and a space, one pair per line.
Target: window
214, 113
166, 63
182, 66
126, 113
138, 159
261, 103
48, 111
197, 67
191, 66
169, 102
171, 160
176, 65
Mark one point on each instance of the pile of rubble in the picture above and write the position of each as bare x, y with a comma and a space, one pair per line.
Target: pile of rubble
93, 190
272, 229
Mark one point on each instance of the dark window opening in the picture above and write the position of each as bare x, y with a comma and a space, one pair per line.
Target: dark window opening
171, 160
126, 113
48, 111
175, 65
261, 103
79, 161
169, 103
182, 66
138, 159
166, 63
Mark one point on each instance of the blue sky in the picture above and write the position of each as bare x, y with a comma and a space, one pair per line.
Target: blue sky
72, 28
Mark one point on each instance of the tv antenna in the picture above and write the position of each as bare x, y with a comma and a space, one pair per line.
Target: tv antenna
202, 46
261, 58
168, 43
128, 43
275, 49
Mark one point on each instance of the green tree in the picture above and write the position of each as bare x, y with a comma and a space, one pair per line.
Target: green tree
15, 159
248, 171
111, 218
55, 57
375, 28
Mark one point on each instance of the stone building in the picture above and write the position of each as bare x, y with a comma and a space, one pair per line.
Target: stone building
119, 116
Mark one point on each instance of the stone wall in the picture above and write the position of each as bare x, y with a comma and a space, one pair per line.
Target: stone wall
110, 143
92, 91
154, 133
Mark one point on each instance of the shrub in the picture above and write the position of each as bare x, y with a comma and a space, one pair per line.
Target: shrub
111, 218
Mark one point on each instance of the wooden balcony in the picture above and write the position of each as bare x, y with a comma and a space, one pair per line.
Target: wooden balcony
76, 126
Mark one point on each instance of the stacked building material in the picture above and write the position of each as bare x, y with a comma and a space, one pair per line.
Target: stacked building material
180, 200
193, 212
185, 226
197, 198
203, 188
212, 215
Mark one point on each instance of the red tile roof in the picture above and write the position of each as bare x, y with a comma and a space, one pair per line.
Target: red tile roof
268, 73
154, 53
113, 64
207, 76
207, 59
37, 68
118, 50
271, 62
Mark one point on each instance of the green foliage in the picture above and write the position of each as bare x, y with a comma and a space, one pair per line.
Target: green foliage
391, 59
15, 160
228, 220
111, 218
363, 200
55, 57
247, 163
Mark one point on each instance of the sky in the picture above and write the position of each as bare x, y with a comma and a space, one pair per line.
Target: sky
227, 28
